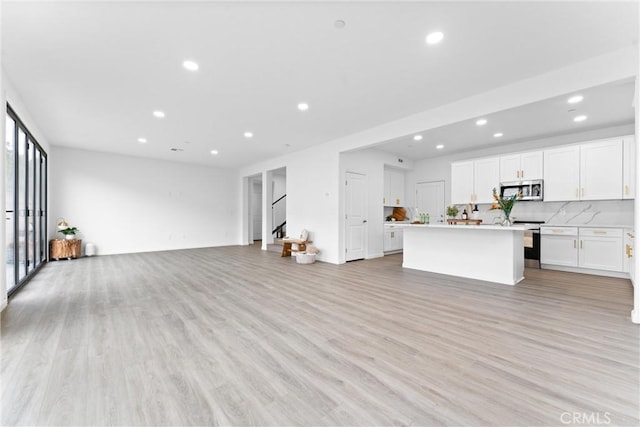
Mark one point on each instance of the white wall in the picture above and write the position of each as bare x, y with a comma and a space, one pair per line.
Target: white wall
127, 204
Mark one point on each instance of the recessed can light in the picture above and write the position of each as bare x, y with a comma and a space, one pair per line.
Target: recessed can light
439, 147
142, 140
190, 65
248, 135
214, 152
303, 106
481, 122
339, 24
497, 134
434, 38
417, 137
580, 118
159, 114
575, 99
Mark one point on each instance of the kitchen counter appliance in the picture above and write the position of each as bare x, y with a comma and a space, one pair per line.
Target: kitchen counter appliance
530, 190
531, 242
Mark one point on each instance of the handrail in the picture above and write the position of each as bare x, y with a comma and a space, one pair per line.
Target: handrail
278, 200
279, 228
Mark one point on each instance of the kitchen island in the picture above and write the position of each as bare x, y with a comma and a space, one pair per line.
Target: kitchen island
485, 252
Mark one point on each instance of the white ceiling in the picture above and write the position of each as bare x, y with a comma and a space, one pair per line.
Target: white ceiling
91, 73
605, 106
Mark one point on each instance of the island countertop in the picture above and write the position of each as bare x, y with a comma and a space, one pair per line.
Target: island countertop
519, 227
491, 253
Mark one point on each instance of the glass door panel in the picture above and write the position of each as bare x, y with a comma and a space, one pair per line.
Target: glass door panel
43, 208
21, 237
10, 183
36, 208
31, 253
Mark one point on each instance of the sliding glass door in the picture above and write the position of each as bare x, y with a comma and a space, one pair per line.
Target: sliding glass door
26, 189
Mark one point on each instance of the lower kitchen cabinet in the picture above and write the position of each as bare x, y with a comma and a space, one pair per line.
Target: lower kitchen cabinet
588, 248
393, 239
629, 253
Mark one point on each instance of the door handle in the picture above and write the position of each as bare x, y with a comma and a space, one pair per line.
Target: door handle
364, 220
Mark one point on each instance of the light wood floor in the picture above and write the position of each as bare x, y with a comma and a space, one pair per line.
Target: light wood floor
238, 336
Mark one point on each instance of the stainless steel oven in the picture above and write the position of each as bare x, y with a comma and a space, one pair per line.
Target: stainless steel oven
531, 243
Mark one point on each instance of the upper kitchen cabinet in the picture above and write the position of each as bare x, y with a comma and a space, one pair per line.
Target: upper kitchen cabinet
601, 170
393, 187
628, 167
521, 166
562, 173
473, 181
590, 171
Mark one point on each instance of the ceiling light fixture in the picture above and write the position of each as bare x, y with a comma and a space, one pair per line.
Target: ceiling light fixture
580, 118
159, 114
142, 140
339, 24
497, 134
417, 137
434, 38
214, 152
303, 106
190, 65
481, 122
439, 147
575, 99
248, 135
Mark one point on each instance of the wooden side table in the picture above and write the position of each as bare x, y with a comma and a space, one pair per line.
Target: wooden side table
65, 248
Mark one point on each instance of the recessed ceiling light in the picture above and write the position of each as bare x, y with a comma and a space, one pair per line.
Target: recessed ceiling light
214, 152
434, 38
303, 106
497, 134
248, 135
339, 24
142, 140
190, 65
417, 137
481, 122
575, 99
439, 147
580, 118
159, 114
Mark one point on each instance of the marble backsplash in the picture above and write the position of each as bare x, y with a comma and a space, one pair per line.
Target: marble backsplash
595, 212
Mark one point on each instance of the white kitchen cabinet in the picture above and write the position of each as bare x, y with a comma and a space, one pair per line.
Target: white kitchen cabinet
562, 174
589, 171
521, 166
559, 246
628, 167
629, 253
473, 181
486, 177
601, 170
393, 188
393, 239
462, 182
601, 249
583, 248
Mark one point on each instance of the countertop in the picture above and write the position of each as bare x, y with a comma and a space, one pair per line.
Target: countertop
468, 227
625, 226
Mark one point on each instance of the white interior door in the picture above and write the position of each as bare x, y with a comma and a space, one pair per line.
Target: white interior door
430, 199
256, 210
355, 216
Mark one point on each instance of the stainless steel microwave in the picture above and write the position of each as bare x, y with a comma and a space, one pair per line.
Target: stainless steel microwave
530, 190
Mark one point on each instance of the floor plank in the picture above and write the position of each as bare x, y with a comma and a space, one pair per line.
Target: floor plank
223, 336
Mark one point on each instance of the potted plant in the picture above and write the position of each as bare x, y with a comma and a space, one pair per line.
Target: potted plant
69, 232
452, 211
505, 204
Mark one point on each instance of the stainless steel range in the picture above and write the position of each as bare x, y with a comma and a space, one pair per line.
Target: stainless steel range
531, 242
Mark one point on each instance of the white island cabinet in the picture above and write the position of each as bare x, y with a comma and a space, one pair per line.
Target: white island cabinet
484, 252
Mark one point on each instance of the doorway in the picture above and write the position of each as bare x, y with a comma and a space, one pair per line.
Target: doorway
430, 200
356, 225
